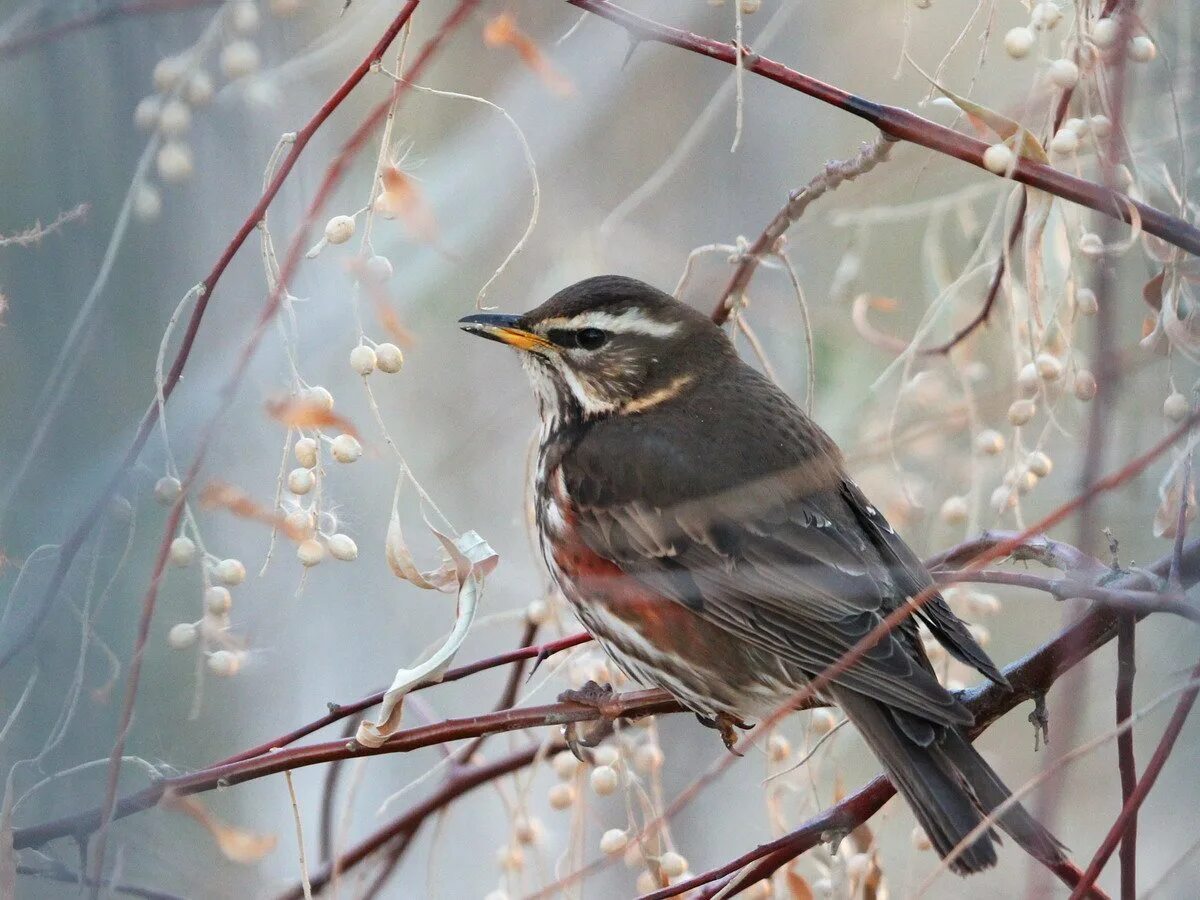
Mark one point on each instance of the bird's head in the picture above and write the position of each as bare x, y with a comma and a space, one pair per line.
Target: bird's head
608, 345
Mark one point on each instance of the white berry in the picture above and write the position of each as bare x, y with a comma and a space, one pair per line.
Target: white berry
562, 796
319, 397
310, 552
613, 841
1104, 32
1049, 368
998, 159
306, 452
1039, 464
182, 552
389, 358
1019, 41
239, 59
362, 359
217, 600
147, 202
1022, 411
167, 72
174, 162
955, 510
378, 268
1064, 143
604, 780
339, 229
1176, 407
167, 490
301, 481
648, 758
989, 443
243, 17
1003, 498
565, 765
346, 448
199, 90
146, 113
230, 572
224, 663
1046, 16
672, 864
1028, 380
182, 636
1064, 73
1142, 49
823, 721
342, 546
1101, 126
175, 118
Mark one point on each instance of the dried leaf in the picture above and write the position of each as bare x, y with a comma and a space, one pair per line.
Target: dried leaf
1152, 291
469, 559
798, 887
503, 31
299, 413
872, 885
232, 498
1166, 517
236, 844
1008, 130
403, 199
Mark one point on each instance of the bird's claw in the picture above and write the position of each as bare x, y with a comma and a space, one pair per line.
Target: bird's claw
579, 738
727, 725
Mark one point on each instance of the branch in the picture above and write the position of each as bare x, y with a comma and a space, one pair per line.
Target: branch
22, 629
900, 124
1030, 678
831, 178
634, 705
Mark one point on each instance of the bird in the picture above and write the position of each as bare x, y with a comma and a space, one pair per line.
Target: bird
705, 532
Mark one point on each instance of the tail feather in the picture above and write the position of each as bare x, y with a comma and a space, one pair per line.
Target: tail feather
948, 785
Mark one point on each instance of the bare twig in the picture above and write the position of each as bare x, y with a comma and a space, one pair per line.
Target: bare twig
907, 126
834, 173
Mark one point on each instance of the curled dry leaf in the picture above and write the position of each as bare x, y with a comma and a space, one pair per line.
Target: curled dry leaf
402, 199
296, 412
798, 888
1166, 517
859, 311
1013, 133
468, 560
504, 31
230, 497
236, 844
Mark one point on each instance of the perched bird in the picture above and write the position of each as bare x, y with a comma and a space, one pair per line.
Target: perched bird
708, 537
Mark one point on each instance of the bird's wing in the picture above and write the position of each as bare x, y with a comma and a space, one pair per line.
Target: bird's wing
782, 562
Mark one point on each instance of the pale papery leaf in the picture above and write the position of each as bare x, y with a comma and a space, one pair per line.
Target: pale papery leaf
1166, 517
298, 413
797, 886
1008, 130
238, 845
469, 559
504, 31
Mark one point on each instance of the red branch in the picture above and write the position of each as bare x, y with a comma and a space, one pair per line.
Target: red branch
907, 126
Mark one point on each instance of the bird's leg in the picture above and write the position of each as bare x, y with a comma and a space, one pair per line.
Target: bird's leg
598, 697
727, 725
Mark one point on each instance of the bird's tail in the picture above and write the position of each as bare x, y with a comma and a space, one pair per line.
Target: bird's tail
947, 783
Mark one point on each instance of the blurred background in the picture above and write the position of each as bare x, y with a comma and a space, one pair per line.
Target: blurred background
635, 170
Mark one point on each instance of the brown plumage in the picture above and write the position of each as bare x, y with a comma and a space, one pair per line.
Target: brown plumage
708, 537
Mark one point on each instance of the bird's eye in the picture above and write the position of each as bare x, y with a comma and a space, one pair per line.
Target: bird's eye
591, 338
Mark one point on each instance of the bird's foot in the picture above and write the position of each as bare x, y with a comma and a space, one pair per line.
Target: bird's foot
727, 725
583, 735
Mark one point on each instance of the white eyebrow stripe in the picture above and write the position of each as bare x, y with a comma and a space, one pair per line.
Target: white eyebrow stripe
632, 321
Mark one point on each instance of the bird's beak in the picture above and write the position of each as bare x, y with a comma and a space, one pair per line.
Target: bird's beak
505, 329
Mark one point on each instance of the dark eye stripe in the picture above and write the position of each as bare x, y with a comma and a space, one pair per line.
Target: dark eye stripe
584, 338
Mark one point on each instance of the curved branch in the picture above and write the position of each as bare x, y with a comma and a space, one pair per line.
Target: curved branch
908, 126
